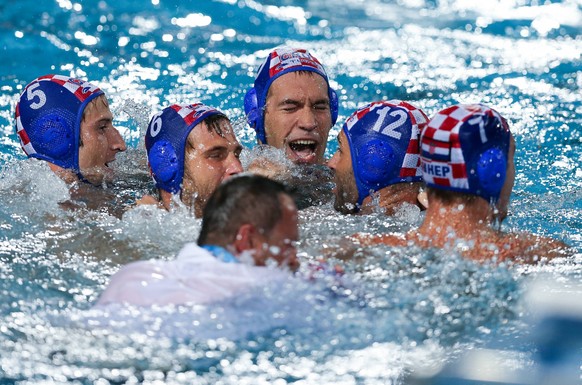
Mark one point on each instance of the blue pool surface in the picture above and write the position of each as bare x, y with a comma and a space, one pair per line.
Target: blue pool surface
399, 315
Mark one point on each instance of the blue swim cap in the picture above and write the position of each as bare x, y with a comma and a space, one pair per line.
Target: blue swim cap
281, 61
166, 139
48, 118
464, 148
383, 141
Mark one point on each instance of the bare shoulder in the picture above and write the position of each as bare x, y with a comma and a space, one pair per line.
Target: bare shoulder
529, 248
391, 239
348, 247
147, 200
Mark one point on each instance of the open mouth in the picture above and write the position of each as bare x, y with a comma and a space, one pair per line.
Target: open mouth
304, 149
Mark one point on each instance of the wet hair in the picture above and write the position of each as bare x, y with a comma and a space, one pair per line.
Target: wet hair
246, 199
213, 123
92, 103
449, 196
90, 106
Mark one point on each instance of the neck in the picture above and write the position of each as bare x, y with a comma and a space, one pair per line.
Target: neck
192, 202
468, 219
169, 200
67, 175
221, 253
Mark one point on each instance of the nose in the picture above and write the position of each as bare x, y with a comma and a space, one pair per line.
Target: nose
332, 163
307, 119
234, 166
116, 142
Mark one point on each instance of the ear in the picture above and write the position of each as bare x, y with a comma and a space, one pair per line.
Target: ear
244, 239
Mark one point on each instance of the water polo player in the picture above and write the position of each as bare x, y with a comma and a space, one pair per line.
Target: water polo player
67, 122
467, 160
191, 150
378, 154
292, 106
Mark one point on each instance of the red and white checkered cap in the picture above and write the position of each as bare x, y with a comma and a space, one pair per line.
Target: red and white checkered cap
444, 155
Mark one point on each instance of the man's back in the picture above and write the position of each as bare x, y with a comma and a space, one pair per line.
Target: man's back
196, 276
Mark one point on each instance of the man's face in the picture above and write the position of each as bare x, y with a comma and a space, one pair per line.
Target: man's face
298, 116
100, 141
210, 158
280, 242
346, 192
504, 196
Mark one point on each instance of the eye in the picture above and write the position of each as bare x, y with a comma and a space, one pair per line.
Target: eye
321, 106
217, 155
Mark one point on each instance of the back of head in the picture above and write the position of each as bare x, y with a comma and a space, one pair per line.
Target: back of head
464, 148
166, 139
282, 60
383, 140
48, 118
245, 199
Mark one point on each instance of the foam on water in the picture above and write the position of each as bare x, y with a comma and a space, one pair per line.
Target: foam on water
394, 310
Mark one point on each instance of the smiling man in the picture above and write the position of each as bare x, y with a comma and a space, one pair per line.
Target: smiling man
191, 150
292, 106
67, 122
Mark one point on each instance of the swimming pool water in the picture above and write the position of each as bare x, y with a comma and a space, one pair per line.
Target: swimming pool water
395, 311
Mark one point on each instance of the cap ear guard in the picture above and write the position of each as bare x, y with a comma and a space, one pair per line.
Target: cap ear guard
375, 161
55, 136
333, 105
164, 163
491, 171
253, 113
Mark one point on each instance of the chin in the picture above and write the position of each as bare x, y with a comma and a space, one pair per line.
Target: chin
99, 175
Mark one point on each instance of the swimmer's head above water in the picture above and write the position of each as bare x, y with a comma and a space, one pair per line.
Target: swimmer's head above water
67, 122
468, 149
467, 161
378, 147
292, 105
254, 215
191, 150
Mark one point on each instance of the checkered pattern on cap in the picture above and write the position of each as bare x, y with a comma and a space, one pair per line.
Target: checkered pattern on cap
27, 147
411, 163
441, 152
284, 58
193, 112
81, 89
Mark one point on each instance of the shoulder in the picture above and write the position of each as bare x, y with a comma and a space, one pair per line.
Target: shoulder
147, 200
529, 248
390, 239
130, 281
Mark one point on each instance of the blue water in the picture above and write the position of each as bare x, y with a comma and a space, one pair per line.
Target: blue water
397, 310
